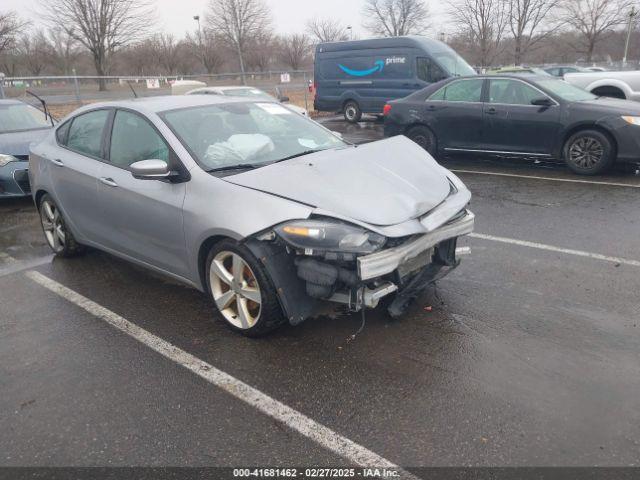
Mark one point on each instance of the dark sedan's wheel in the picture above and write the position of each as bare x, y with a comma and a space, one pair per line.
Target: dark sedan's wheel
58, 236
424, 137
589, 152
242, 290
352, 112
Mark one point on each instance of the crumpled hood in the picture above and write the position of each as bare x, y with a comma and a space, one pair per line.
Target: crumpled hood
381, 183
17, 143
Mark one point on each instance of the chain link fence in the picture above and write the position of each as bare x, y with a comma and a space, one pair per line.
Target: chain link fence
66, 93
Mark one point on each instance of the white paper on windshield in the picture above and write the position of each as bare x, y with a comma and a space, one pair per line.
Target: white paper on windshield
274, 108
257, 92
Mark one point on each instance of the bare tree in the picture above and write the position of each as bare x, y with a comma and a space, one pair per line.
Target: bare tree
35, 51
594, 20
101, 26
295, 50
166, 52
393, 18
209, 48
10, 25
237, 21
483, 23
326, 30
526, 20
64, 50
260, 51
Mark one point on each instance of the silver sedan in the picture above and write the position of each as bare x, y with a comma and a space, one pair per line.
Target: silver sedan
266, 211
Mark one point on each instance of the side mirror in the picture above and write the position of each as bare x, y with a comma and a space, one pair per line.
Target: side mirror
337, 134
284, 99
150, 170
542, 102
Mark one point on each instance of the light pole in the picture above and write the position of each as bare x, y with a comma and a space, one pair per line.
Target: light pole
350, 28
197, 19
632, 14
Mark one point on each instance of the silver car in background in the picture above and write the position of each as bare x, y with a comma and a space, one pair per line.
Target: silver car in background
250, 93
268, 212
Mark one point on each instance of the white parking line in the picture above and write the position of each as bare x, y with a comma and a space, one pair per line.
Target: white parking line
295, 420
534, 177
551, 248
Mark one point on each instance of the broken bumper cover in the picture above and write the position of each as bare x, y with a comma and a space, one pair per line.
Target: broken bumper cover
386, 261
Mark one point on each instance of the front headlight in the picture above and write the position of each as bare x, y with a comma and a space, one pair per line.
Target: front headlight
4, 159
631, 120
327, 235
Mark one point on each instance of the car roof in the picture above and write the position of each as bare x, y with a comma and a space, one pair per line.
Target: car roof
162, 103
11, 101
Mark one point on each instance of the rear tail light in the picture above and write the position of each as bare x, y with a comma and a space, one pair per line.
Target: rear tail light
386, 109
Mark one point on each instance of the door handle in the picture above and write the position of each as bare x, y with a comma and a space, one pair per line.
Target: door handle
431, 108
108, 181
57, 162
491, 111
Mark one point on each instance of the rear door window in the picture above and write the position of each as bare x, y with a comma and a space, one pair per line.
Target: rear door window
469, 90
86, 132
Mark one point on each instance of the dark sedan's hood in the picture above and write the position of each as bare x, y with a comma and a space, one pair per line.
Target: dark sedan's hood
17, 143
381, 183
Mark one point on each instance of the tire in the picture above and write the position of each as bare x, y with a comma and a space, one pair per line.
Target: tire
58, 236
352, 112
237, 300
424, 137
589, 152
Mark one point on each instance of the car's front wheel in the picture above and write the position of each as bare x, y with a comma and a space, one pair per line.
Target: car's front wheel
242, 290
589, 152
58, 236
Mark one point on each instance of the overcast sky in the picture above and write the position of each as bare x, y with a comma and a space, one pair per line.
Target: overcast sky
289, 16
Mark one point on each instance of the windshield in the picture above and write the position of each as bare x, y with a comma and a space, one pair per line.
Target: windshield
453, 63
20, 116
565, 90
230, 135
248, 92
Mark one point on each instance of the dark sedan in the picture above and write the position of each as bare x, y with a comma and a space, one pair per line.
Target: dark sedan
20, 126
523, 116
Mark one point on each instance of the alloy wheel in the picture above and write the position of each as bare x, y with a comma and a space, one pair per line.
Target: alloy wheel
586, 152
235, 289
53, 226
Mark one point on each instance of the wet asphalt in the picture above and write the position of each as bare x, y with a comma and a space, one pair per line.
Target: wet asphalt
521, 357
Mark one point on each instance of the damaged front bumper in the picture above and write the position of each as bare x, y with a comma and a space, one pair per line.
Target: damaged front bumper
386, 261
303, 283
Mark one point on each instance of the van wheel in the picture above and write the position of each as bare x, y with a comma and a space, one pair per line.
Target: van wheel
424, 137
589, 152
352, 112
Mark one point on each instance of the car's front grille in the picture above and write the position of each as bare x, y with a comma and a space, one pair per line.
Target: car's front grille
22, 179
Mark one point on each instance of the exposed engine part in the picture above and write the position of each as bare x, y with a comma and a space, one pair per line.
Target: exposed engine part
356, 298
316, 272
323, 278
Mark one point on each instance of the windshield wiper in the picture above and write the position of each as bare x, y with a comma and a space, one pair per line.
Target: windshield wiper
301, 154
239, 166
